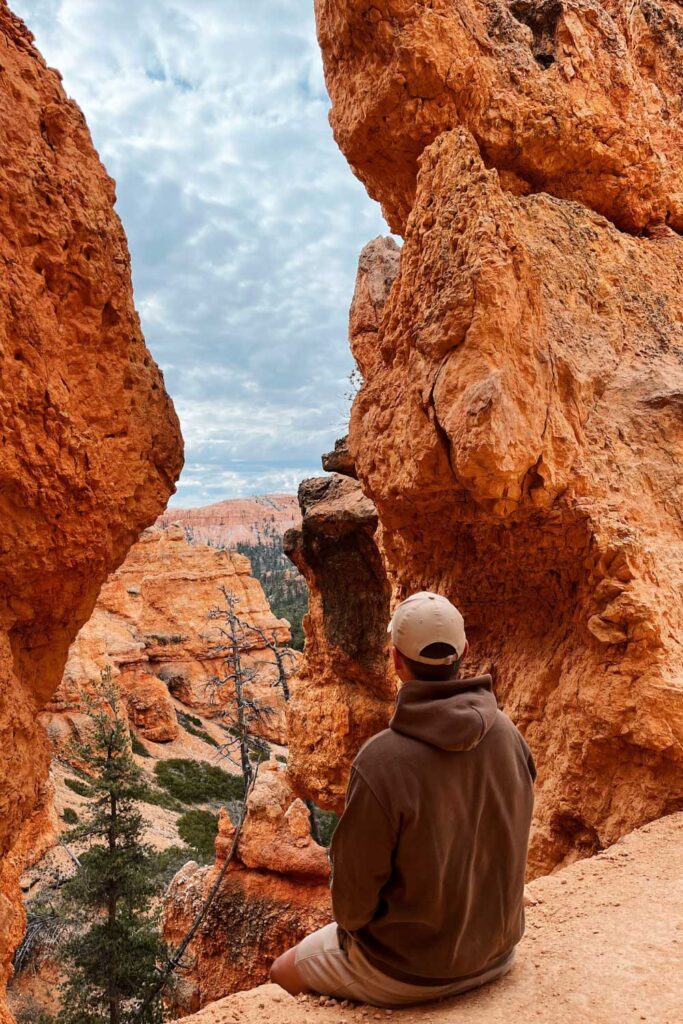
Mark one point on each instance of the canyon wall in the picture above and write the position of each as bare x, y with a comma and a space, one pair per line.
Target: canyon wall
236, 520
91, 444
275, 891
151, 625
519, 426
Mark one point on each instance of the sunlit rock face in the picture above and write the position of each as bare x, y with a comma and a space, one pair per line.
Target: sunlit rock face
344, 692
275, 891
577, 98
519, 427
90, 442
151, 626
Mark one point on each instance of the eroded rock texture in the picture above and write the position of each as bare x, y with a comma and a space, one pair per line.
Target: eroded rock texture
151, 625
578, 98
519, 428
90, 442
344, 692
258, 520
275, 891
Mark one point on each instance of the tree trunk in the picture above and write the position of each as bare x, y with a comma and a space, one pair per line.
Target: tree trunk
112, 994
239, 699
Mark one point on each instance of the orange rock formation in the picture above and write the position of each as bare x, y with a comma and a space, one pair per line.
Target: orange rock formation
227, 523
91, 445
519, 428
580, 99
150, 624
344, 690
275, 891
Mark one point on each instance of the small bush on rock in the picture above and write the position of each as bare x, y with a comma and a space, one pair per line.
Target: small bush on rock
196, 782
199, 830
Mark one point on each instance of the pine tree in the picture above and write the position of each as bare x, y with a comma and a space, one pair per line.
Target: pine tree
114, 952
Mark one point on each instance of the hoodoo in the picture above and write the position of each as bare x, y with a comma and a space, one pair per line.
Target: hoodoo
91, 446
519, 425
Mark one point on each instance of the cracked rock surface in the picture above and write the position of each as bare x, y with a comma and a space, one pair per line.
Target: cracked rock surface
519, 427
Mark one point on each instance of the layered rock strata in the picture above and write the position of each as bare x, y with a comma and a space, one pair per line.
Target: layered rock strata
275, 891
91, 444
151, 625
519, 429
237, 520
344, 691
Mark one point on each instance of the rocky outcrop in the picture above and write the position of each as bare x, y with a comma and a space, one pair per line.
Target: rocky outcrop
344, 691
614, 918
149, 705
519, 427
275, 891
577, 98
151, 625
91, 444
247, 520
339, 459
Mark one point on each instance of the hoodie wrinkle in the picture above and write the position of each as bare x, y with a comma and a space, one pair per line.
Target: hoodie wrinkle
452, 715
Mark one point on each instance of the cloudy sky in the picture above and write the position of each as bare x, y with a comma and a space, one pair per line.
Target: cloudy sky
243, 219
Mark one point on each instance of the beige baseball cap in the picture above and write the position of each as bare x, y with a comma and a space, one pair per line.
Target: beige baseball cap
424, 619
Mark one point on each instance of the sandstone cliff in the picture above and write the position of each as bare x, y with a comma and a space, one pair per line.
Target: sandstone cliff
275, 891
246, 520
91, 444
578, 98
151, 625
519, 426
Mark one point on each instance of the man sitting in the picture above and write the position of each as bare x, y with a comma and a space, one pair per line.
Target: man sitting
429, 855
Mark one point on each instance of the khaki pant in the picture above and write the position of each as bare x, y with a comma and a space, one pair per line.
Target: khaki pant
326, 968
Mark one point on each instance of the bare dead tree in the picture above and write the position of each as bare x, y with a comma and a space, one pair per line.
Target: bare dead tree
281, 655
242, 715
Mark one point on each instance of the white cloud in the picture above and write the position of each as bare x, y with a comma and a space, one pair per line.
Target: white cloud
243, 219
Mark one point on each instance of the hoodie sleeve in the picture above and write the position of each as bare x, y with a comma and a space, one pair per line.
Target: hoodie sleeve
361, 855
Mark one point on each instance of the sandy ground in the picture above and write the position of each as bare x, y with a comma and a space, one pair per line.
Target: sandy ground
604, 945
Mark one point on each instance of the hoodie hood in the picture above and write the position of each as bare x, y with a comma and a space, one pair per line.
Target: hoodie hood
452, 715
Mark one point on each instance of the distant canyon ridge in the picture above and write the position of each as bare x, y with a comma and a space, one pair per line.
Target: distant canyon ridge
236, 521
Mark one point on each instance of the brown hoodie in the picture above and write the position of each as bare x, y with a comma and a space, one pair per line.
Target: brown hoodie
429, 854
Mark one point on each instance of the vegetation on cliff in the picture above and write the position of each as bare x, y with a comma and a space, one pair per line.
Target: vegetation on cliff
114, 948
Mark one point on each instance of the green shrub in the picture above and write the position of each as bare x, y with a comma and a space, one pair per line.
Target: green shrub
327, 822
195, 782
281, 758
199, 830
194, 726
170, 861
138, 747
186, 718
31, 1012
159, 798
69, 815
76, 786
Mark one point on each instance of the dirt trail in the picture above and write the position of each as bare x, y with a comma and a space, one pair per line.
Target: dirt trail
604, 945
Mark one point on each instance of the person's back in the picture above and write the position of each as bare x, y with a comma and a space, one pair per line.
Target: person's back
438, 813
428, 857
